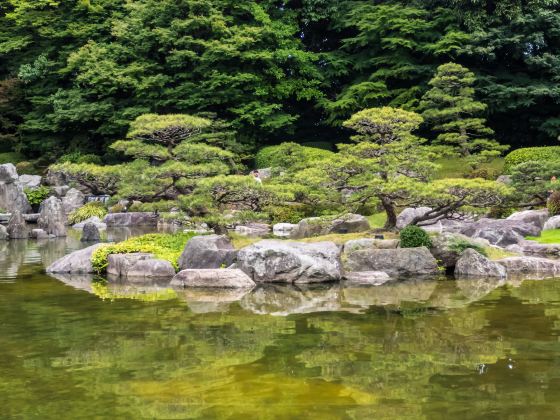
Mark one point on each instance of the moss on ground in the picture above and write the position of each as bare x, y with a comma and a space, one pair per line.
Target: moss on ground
547, 237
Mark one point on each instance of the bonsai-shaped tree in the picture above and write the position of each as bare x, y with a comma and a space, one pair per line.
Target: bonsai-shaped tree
451, 110
167, 163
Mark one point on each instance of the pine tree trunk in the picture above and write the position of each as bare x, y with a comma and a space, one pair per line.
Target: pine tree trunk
389, 208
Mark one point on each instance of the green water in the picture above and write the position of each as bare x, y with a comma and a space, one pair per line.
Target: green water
421, 350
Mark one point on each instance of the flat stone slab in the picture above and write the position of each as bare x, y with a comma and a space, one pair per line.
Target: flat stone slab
213, 278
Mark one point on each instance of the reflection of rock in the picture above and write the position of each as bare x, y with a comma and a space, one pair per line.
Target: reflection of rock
366, 277
286, 299
475, 289
202, 300
207, 251
77, 262
17, 228
213, 278
77, 281
474, 264
395, 262
290, 262
394, 293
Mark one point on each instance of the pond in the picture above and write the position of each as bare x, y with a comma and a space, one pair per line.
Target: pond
70, 348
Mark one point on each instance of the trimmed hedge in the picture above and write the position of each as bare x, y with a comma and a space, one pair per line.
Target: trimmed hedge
526, 154
283, 154
414, 236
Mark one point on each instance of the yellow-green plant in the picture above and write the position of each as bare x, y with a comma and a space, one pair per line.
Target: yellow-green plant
94, 208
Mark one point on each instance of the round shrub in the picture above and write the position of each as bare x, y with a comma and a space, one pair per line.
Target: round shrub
287, 155
526, 154
36, 196
91, 209
414, 236
553, 204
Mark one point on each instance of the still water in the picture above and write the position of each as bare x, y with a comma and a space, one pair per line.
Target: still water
73, 348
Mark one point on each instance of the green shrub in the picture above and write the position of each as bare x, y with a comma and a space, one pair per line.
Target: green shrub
287, 155
287, 213
35, 196
164, 246
160, 206
78, 157
117, 208
553, 204
414, 236
94, 208
26, 167
526, 154
11, 157
460, 245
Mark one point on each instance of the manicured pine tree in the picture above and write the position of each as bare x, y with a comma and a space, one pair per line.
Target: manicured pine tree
450, 108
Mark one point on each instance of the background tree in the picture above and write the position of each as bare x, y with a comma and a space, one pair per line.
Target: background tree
449, 108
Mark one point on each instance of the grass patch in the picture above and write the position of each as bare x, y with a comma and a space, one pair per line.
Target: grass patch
164, 246
377, 220
547, 237
455, 167
497, 253
241, 241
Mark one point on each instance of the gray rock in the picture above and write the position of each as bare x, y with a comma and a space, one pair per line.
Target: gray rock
52, 218
8, 173
90, 233
283, 230
39, 234
138, 266
290, 262
73, 200
367, 277
213, 278
12, 197
527, 266
253, 229
3, 233
318, 226
474, 264
395, 262
77, 262
31, 217
406, 217
17, 228
60, 191
131, 219
535, 217
445, 247
552, 223
366, 243
501, 232
534, 248
29, 181
207, 251
93, 220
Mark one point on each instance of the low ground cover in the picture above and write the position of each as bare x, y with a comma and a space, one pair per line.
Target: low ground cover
547, 237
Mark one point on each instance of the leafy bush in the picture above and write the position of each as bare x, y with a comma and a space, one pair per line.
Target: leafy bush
164, 246
26, 167
526, 154
286, 213
288, 155
553, 204
460, 245
11, 157
414, 236
94, 208
78, 157
35, 196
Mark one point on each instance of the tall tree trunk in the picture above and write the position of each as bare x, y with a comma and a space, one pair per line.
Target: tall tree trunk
389, 208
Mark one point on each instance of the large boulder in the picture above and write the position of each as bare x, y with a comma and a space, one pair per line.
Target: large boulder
138, 266
318, 226
213, 278
290, 262
77, 262
395, 262
29, 181
93, 220
474, 264
406, 217
535, 217
131, 219
90, 233
527, 266
534, 248
52, 218
12, 197
501, 232
17, 227
552, 223
73, 200
3, 233
207, 251
448, 247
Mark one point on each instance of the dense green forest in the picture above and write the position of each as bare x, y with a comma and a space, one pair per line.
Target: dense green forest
74, 74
